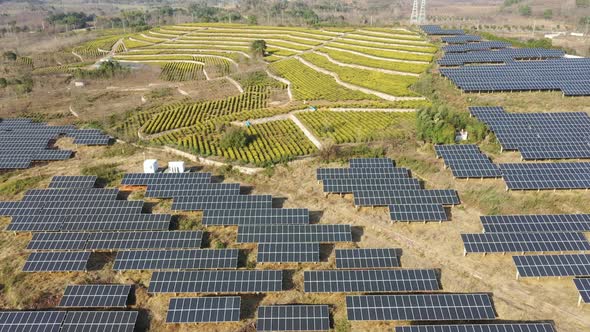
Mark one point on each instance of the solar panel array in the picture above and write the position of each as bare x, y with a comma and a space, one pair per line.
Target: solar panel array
429, 307
377, 182
370, 281
536, 223
568, 75
293, 318
367, 258
437, 30
57, 261
467, 161
116, 241
79, 181
294, 233
204, 309
571, 265
23, 142
583, 286
505, 55
477, 46
240, 281
546, 176
227, 217
539, 135
505, 327
95, 296
62, 321
288, 253
461, 39
236, 202
524, 242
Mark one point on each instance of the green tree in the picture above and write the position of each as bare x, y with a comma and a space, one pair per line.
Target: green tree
258, 48
9, 55
3, 82
525, 10
548, 14
582, 3
234, 137
252, 20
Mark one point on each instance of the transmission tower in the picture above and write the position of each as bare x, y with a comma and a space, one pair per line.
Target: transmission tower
418, 12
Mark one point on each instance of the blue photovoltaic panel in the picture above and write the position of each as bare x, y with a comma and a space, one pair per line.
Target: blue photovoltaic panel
99, 321
504, 327
57, 261
524, 242
200, 203
79, 181
367, 258
430, 307
288, 252
31, 321
583, 286
256, 217
418, 212
144, 240
536, 223
148, 179
177, 259
404, 197
204, 309
344, 186
479, 46
294, 233
437, 30
95, 296
572, 265
505, 55
462, 39
192, 189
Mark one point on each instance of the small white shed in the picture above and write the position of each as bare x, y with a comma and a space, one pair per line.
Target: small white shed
150, 166
176, 167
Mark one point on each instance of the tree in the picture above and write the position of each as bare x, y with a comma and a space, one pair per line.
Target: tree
3, 82
234, 137
252, 20
9, 55
525, 10
258, 48
548, 14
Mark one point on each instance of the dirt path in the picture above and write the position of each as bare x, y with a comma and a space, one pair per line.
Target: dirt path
78, 56
282, 80
356, 87
375, 57
306, 131
384, 71
235, 83
73, 112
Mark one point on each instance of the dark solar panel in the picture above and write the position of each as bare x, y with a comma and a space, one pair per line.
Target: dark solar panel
98, 296
574, 265
344, 186
583, 286
243, 281
504, 327
256, 217
361, 173
367, 258
58, 241
31, 321
524, 242
99, 321
65, 182
145, 240
293, 318
536, 223
91, 223
431, 307
191, 189
241, 202
405, 197
288, 252
370, 281
204, 309
94, 194
177, 259
57, 261
294, 233
148, 179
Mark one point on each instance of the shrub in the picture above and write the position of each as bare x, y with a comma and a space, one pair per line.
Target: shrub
234, 137
438, 125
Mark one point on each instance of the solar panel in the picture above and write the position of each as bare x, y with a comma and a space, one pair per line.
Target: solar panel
371, 162
437, 30
94, 194
431, 307
536, 223
145, 240
98, 321
405, 197
242, 202
505, 55
574, 265
418, 212
58, 241
293, 318
344, 186
148, 179
204, 309
294, 233
31, 321
80, 181
255, 217
367, 258
192, 189
95, 296
242, 281
462, 39
583, 286
505, 327
524, 242
370, 281
177, 259
288, 252
361, 173
57, 261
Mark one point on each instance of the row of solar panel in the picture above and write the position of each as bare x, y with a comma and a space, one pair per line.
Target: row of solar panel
70, 321
467, 161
